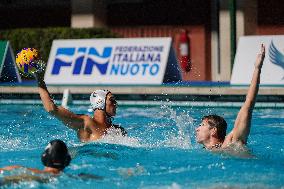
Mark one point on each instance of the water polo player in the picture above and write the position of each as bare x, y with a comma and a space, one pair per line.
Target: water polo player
54, 158
88, 128
212, 130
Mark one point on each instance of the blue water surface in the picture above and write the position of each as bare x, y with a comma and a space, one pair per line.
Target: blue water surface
159, 152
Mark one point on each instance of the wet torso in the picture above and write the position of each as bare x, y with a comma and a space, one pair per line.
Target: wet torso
233, 148
93, 131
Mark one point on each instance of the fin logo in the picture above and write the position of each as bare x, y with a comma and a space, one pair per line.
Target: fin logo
72, 57
276, 57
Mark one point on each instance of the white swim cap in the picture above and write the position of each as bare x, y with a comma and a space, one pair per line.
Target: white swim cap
98, 99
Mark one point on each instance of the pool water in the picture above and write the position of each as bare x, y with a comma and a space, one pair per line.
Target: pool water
159, 152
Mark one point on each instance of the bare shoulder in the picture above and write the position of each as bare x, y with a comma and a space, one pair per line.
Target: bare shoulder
237, 150
228, 140
88, 120
85, 117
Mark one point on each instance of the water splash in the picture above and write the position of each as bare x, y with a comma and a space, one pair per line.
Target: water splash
184, 124
115, 136
168, 128
131, 171
173, 185
12, 144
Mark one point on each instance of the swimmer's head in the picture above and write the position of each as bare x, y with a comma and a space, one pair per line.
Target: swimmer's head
56, 155
98, 99
218, 122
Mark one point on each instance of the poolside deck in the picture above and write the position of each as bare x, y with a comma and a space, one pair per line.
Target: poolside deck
207, 93
148, 90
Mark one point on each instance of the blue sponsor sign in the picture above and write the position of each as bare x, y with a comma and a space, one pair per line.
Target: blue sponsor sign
111, 61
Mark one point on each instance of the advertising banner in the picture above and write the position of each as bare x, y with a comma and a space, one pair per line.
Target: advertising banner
111, 61
273, 67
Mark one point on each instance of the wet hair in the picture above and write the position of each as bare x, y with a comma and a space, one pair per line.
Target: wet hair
56, 155
218, 122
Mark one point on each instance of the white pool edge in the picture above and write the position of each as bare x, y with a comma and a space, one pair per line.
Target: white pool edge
156, 103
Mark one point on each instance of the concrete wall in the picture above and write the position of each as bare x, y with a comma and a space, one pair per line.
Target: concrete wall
88, 14
224, 29
246, 24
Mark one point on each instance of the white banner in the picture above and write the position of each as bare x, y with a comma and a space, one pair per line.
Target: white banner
108, 61
273, 66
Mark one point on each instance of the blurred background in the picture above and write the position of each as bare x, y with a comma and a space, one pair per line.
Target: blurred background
212, 26
204, 33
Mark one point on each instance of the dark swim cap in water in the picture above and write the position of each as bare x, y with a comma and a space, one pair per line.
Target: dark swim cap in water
56, 155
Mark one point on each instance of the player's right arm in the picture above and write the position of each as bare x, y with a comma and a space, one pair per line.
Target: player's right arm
12, 167
9, 168
70, 119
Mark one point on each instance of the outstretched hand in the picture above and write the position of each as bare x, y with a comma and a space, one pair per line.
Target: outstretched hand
260, 57
39, 76
39, 73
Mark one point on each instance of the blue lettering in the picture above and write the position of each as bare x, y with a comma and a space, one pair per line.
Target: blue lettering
117, 57
134, 69
150, 57
125, 58
61, 54
144, 68
124, 72
117, 48
137, 57
142, 58
79, 61
158, 58
78, 65
154, 69
131, 58
114, 69
57, 65
101, 65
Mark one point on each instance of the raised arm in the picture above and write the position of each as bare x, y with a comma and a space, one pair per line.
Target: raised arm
70, 119
242, 125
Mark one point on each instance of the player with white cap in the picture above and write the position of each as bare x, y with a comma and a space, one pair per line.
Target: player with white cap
88, 128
